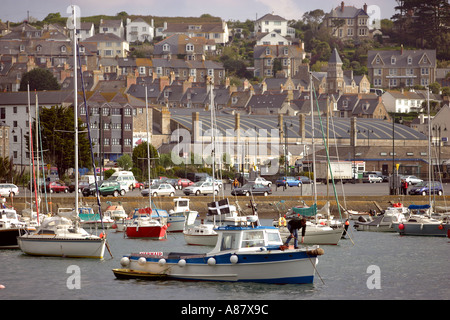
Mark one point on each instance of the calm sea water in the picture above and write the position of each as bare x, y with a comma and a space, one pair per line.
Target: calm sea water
396, 267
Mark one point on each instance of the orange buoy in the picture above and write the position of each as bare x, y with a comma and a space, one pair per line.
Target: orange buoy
440, 227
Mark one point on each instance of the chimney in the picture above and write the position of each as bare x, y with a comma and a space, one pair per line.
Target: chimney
342, 6
195, 127
165, 121
353, 132
401, 50
301, 125
365, 7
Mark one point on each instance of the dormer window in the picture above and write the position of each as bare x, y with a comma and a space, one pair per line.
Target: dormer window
393, 60
267, 51
63, 49
410, 60
189, 47
38, 48
166, 47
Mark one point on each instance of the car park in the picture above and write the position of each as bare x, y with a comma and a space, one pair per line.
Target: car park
251, 189
201, 187
372, 178
425, 187
288, 181
162, 189
8, 190
105, 188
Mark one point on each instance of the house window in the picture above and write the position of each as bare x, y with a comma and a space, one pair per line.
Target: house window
410, 60
127, 142
106, 142
267, 51
286, 51
108, 53
189, 47
424, 71
127, 111
141, 70
63, 49
166, 47
105, 111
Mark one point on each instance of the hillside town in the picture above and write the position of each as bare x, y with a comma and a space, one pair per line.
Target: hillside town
371, 88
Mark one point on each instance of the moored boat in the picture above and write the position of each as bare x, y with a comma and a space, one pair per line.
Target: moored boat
143, 225
248, 254
383, 222
10, 228
60, 237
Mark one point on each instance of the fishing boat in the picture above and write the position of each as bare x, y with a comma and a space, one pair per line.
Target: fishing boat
116, 212
180, 215
242, 253
61, 237
383, 222
143, 225
10, 228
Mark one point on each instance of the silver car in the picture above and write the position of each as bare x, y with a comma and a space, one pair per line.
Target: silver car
8, 190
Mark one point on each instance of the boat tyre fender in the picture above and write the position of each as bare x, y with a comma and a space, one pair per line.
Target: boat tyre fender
315, 252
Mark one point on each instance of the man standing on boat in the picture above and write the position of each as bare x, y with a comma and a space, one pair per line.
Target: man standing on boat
293, 225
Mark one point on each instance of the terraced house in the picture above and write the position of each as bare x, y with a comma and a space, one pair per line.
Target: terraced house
401, 68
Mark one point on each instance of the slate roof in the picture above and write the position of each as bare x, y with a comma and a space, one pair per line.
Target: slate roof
401, 58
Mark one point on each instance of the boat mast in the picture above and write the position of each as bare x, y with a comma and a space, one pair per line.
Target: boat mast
32, 160
75, 102
312, 136
429, 150
148, 153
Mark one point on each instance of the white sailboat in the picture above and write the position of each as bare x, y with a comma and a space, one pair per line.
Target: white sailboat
60, 236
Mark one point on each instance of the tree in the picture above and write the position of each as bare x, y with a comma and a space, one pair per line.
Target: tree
39, 80
57, 137
125, 162
140, 157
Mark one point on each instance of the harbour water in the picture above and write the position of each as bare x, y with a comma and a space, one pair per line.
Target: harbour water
366, 266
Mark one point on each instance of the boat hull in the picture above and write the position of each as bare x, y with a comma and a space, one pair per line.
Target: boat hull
62, 247
176, 223
272, 266
201, 240
8, 238
150, 232
320, 235
418, 229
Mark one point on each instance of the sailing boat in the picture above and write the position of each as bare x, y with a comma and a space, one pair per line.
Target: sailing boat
422, 224
62, 236
315, 233
143, 224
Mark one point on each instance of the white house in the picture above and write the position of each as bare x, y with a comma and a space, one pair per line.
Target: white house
272, 39
402, 101
139, 30
112, 26
269, 23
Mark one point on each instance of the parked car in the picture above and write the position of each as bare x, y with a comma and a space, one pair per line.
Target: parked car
56, 187
201, 187
139, 185
218, 182
372, 178
183, 183
304, 179
105, 188
163, 189
251, 189
424, 188
172, 182
264, 182
288, 181
412, 179
8, 190
81, 186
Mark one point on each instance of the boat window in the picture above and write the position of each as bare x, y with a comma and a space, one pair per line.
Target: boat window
229, 242
44, 231
273, 237
253, 239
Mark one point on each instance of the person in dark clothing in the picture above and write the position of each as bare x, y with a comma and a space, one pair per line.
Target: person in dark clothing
293, 225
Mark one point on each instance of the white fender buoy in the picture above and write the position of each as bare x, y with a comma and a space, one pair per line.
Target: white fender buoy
234, 259
211, 261
162, 262
142, 261
182, 263
124, 262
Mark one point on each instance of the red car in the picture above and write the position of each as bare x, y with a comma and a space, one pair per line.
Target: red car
182, 183
57, 186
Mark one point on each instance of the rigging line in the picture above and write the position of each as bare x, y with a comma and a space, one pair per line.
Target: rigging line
89, 135
326, 150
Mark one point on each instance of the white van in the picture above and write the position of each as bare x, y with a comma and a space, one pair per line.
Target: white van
125, 178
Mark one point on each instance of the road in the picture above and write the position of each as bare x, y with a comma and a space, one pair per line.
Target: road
349, 189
